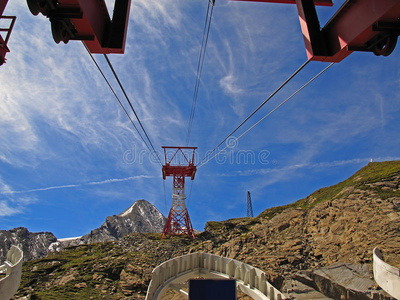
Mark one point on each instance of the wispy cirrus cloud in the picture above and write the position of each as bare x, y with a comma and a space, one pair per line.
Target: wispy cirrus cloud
287, 169
6, 210
11, 205
7, 191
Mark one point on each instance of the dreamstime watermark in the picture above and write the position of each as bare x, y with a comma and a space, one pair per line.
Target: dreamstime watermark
228, 154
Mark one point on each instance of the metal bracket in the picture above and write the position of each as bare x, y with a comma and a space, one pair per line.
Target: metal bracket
8, 30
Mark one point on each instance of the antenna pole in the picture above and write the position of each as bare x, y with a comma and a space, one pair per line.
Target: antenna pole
249, 206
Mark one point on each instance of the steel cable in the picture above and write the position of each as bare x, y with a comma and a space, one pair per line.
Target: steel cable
261, 105
116, 97
283, 102
200, 63
154, 152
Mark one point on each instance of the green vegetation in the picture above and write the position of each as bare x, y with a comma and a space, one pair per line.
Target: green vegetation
377, 171
80, 262
122, 270
239, 225
363, 179
154, 236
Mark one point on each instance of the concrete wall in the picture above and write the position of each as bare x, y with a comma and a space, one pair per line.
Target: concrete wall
249, 280
13, 269
386, 276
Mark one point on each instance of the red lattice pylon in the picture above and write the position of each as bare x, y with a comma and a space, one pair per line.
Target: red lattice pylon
178, 221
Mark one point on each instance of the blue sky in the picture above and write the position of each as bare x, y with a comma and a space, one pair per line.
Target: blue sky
69, 156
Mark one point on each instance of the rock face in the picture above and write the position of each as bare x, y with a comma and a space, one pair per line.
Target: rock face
337, 281
33, 244
342, 223
319, 247
141, 217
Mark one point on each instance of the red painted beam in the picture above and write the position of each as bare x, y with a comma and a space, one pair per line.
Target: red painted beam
3, 51
351, 28
93, 22
88, 21
316, 2
185, 168
3, 4
6, 32
179, 147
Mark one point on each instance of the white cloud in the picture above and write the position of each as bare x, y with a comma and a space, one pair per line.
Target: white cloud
61, 124
6, 189
287, 169
229, 84
6, 210
10, 204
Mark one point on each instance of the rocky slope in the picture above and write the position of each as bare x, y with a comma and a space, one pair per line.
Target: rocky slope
342, 223
33, 244
314, 248
141, 217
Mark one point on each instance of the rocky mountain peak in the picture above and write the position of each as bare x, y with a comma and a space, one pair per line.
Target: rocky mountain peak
33, 244
142, 207
318, 247
141, 216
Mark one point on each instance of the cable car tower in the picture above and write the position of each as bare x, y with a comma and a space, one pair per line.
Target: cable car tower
179, 163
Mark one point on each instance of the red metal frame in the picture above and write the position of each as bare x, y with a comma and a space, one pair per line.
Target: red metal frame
3, 41
362, 25
188, 170
178, 221
316, 2
87, 20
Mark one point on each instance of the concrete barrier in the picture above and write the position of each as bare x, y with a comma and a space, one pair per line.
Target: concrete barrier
12, 268
386, 276
171, 273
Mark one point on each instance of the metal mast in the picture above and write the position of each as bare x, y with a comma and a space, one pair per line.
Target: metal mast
178, 221
249, 206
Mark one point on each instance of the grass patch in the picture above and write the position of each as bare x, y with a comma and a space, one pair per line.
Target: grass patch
372, 173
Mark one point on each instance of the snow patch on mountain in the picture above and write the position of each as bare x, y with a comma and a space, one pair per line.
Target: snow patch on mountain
33, 244
140, 217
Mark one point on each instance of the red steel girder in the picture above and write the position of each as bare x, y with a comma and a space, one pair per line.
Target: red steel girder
3, 4
86, 20
188, 171
316, 2
357, 26
179, 182
4, 40
109, 35
178, 224
170, 169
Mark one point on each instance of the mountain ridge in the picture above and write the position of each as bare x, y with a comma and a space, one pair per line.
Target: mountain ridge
297, 246
33, 244
141, 216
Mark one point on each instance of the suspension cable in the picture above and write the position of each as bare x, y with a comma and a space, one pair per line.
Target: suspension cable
116, 97
283, 102
190, 193
154, 152
165, 198
200, 63
257, 109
